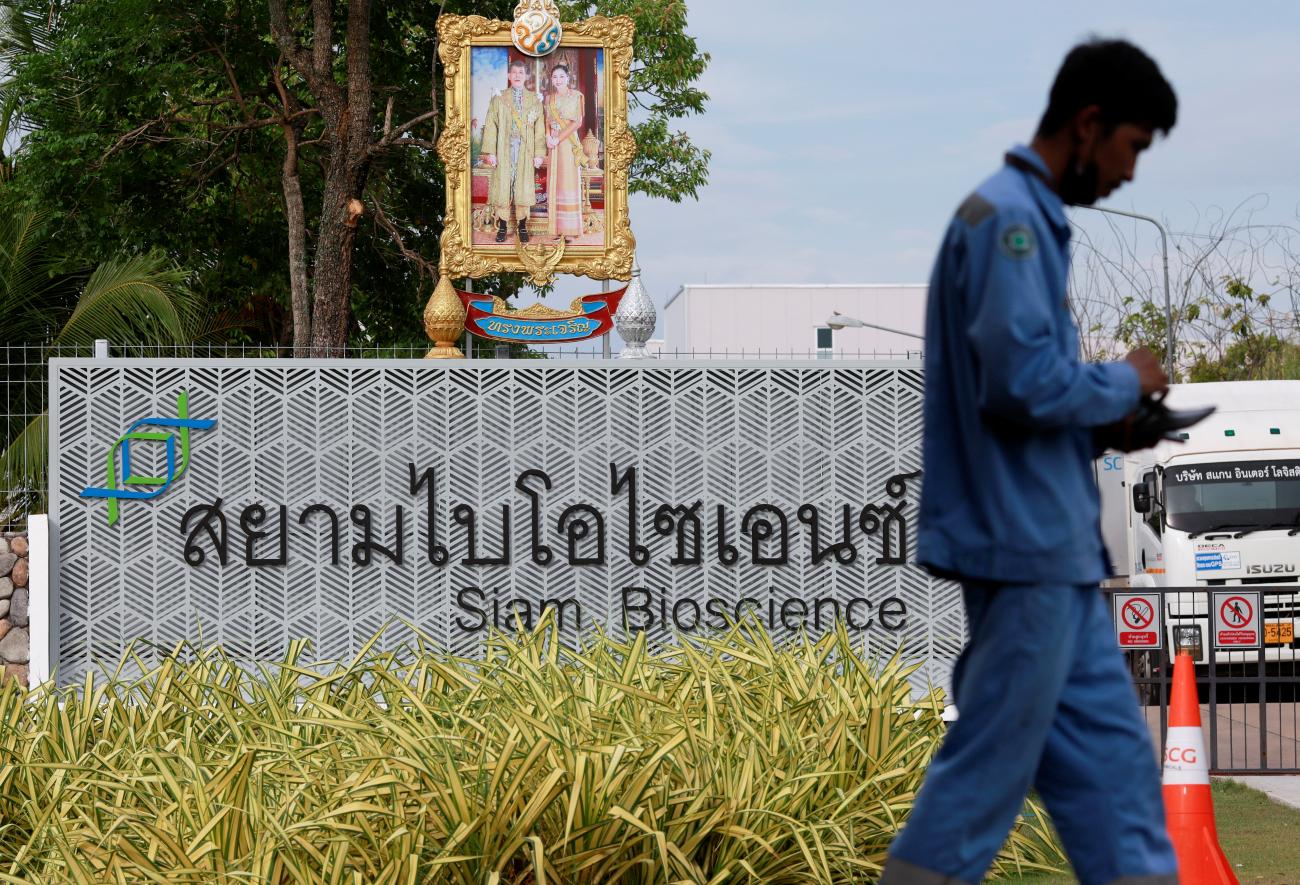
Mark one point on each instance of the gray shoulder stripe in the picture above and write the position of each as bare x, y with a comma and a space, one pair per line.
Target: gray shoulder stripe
974, 210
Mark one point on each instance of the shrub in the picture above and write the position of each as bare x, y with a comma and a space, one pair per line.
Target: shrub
727, 759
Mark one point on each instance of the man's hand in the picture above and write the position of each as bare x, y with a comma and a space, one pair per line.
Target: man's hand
490, 159
537, 162
1151, 376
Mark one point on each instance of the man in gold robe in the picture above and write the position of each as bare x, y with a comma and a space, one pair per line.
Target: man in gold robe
514, 145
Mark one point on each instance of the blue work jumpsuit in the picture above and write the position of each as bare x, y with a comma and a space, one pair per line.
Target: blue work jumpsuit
1010, 509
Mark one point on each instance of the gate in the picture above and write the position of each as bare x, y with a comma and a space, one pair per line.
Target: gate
1250, 708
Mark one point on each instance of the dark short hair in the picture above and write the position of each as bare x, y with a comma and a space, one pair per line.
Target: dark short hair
1122, 80
517, 63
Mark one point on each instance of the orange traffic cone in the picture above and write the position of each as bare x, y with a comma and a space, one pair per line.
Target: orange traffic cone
1189, 810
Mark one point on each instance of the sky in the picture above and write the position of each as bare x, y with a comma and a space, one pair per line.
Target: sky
843, 138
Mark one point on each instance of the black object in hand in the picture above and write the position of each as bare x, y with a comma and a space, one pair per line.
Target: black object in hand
1150, 423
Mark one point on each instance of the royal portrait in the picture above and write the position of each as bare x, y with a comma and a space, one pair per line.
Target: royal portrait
537, 151
536, 148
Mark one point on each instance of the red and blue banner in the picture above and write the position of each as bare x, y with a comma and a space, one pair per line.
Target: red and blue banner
588, 316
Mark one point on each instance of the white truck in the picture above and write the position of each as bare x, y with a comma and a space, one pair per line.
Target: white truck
1221, 508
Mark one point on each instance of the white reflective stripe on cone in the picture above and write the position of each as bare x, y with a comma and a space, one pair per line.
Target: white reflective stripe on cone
1185, 761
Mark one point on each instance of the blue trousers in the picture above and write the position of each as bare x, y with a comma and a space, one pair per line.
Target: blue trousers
1044, 701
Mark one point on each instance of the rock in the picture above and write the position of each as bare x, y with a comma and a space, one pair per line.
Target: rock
18, 608
4, 545
15, 647
7, 561
5, 627
16, 671
6, 588
18, 546
20, 573
4, 607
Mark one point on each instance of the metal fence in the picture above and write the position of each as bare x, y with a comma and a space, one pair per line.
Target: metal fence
24, 398
24, 391
1249, 699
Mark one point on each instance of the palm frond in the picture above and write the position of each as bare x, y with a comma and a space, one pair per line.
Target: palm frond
23, 471
27, 290
23, 31
142, 299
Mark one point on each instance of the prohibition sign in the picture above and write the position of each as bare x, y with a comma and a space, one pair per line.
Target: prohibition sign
1137, 620
1137, 614
1236, 611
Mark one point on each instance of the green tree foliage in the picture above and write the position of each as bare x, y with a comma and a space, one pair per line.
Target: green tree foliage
1144, 324
141, 298
662, 90
1254, 352
123, 151
178, 127
19, 34
1258, 358
1250, 344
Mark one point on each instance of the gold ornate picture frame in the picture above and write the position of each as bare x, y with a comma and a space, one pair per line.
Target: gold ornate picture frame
602, 244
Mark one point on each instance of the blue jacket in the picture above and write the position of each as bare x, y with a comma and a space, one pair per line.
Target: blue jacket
1008, 493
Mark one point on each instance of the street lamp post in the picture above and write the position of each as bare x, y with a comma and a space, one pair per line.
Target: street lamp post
1164, 252
840, 321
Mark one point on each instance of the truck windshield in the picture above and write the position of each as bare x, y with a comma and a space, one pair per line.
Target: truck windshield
1250, 495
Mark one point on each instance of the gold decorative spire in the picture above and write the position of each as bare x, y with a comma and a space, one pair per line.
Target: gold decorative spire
444, 320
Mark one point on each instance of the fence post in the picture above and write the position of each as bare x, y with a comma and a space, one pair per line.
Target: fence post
101, 348
40, 624
606, 349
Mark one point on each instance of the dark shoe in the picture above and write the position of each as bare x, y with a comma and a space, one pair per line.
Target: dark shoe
501, 231
523, 231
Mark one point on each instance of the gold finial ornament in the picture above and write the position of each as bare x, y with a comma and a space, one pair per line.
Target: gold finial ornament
444, 320
536, 30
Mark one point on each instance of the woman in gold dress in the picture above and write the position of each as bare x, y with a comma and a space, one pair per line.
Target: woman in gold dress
564, 112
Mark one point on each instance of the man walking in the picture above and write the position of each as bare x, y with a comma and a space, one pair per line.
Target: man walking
514, 145
1009, 507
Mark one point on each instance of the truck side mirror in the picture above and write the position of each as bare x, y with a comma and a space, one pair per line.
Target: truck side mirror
1142, 497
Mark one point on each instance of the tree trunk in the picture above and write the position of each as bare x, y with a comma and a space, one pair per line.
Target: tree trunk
347, 170
332, 270
293, 209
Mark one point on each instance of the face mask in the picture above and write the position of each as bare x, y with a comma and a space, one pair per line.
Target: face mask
1079, 183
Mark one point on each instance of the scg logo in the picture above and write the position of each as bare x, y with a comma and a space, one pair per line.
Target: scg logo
1178, 755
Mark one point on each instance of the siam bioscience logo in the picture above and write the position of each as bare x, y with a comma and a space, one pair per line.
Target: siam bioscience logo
175, 438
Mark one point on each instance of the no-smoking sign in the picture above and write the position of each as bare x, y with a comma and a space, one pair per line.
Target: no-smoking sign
1137, 614
1236, 619
1137, 620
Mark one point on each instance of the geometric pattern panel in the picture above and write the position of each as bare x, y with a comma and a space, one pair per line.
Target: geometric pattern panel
254, 502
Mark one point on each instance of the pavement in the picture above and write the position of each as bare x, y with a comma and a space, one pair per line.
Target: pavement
1240, 740
1283, 788
1237, 736
1237, 733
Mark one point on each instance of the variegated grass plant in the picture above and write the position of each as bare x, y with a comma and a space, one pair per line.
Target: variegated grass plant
728, 759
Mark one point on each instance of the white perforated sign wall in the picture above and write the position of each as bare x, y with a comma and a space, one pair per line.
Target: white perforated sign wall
271, 500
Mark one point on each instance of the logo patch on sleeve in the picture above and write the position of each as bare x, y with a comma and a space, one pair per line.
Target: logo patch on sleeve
1017, 241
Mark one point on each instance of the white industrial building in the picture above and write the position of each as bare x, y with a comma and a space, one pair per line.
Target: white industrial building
794, 319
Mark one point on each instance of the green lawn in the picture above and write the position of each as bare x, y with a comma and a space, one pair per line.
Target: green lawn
1260, 837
